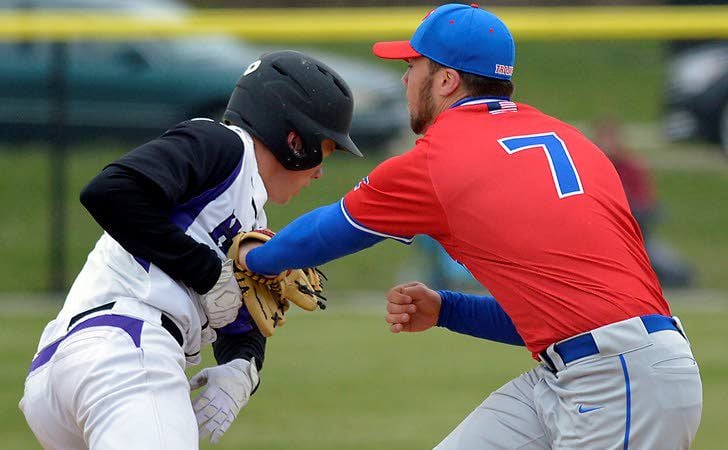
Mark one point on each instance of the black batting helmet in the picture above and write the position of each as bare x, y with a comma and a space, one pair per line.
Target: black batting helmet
287, 91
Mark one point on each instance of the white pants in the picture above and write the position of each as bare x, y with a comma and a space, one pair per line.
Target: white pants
101, 391
641, 391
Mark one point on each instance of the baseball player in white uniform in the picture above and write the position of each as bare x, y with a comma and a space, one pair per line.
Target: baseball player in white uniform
110, 368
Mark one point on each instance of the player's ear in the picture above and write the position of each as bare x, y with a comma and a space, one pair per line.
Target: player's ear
449, 81
295, 144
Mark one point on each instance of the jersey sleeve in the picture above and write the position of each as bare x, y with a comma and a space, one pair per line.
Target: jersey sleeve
132, 197
397, 200
479, 316
187, 160
246, 345
313, 239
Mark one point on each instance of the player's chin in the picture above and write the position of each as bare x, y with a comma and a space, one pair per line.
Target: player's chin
279, 201
283, 199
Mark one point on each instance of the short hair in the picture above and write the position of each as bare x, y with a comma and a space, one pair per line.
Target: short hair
478, 85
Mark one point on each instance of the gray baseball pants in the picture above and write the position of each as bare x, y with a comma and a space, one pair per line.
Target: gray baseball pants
641, 390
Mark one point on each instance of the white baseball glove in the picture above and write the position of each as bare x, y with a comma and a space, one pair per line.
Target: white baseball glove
227, 389
222, 302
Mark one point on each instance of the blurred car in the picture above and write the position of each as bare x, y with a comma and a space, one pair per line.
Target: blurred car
697, 93
136, 89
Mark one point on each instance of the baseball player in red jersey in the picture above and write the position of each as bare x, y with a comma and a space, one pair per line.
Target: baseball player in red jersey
538, 215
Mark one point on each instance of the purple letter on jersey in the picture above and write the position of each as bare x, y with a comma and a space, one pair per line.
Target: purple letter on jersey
223, 234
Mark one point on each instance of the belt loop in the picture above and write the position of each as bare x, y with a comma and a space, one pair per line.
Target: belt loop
555, 358
680, 328
546, 361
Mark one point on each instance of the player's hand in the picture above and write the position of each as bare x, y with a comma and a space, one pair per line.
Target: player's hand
227, 388
222, 302
243, 250
412, 307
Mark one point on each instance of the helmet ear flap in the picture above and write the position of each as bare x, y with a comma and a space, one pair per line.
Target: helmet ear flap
303, 151
232, 118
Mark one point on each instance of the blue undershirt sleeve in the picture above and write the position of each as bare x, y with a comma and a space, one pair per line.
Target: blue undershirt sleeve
315, 238
479, 316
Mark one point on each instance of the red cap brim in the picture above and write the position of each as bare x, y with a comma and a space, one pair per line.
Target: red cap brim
394, 50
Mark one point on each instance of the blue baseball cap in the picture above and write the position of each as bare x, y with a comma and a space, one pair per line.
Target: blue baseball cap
462, 37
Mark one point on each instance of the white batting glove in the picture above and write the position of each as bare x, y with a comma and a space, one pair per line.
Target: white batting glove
207, 335
227, 389
222, 302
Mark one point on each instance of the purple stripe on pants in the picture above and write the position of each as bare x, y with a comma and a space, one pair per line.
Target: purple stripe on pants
129, 324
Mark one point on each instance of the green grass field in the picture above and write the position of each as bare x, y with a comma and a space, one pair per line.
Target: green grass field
339, 380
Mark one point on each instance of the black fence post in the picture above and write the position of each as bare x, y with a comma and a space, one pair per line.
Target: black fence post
58, 94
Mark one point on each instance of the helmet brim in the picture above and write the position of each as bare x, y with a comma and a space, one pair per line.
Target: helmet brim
344, 142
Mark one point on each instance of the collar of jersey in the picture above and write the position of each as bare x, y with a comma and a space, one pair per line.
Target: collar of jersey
467, 101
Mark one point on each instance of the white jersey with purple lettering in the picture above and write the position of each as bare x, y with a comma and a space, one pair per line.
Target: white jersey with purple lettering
110, 368
213, 218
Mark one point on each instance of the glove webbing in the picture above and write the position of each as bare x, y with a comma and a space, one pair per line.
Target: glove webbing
276, 287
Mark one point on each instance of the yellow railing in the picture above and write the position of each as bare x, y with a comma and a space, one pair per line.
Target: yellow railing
368, 24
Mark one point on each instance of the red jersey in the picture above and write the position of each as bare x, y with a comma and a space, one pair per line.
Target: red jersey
532, 208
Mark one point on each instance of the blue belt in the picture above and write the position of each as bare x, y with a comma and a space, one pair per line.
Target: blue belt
584, 345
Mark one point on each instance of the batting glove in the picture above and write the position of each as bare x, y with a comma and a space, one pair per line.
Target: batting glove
222, 302
227, 389
207, 335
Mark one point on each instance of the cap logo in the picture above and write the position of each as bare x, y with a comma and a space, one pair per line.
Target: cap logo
501, 69
252, 67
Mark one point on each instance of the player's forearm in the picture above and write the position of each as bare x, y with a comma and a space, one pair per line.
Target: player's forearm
248, 345
313, 239
136, 215
479, 316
